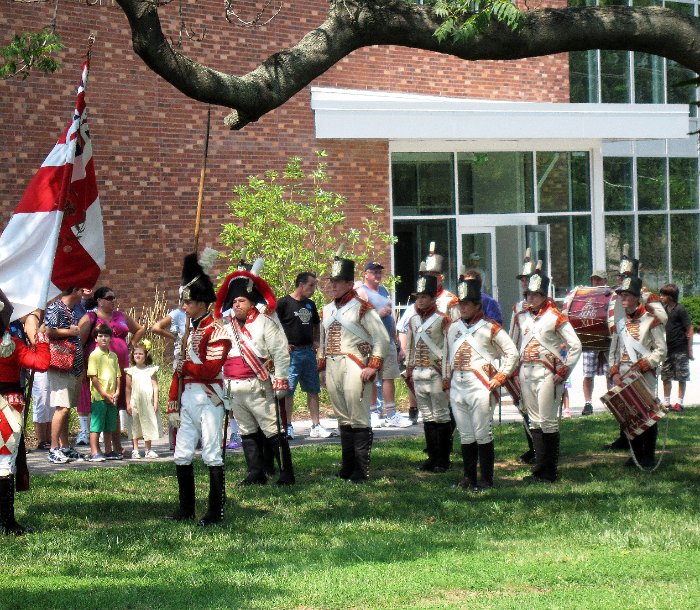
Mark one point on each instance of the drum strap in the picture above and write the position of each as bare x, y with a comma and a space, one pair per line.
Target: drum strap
635, 350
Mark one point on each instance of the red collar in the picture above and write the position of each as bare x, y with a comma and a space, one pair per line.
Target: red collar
346, 298
637, 313
424, 315
544, 307
478, 316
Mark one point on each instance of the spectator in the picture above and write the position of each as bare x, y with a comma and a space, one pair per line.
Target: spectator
142, 399
302, 325
679, 341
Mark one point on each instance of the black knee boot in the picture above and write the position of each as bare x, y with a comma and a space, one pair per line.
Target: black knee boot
443, 439
429, 429
538, 471
253, 452
347, 452
270, 454
637, 444
217, 497
185, 487
362, 441
619, 443
551, 444
529, 456
649, 441
8, 524
280, 448
470, 455
486, 461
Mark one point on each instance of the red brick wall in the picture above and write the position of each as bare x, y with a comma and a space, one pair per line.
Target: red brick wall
148, 136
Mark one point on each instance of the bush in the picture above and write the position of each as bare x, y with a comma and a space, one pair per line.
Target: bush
692, 305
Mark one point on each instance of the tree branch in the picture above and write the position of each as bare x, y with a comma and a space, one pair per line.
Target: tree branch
352, 24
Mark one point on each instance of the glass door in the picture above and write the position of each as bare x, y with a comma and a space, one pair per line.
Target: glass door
477, 252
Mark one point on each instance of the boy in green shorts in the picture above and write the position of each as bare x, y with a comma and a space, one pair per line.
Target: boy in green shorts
103, 371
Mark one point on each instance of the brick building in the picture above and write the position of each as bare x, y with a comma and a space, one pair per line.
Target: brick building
503, 163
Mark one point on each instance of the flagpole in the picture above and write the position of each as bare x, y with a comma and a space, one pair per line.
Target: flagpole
202, 173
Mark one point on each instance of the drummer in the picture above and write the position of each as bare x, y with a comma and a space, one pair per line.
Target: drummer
639, 343
594, 362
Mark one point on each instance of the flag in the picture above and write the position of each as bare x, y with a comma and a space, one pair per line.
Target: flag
54, 239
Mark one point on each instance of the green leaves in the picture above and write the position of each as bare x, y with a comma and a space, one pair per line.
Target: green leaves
462, 19
30, 51
295, 222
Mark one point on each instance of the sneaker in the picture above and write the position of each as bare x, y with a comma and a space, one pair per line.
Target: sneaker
375, 420
113, 455
234, 442
319, 431
56, 456
678, 408
44, 446
135, 455
96, 457
587, 409
397, 421
150, 454
82, 439
290, 432
72, 454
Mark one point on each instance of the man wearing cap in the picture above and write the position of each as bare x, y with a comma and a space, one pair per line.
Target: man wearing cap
594, 362
425, 339
470, 372
639, 343
679, 341
376, 295
543, 371
255, 370
354, 343
201, 414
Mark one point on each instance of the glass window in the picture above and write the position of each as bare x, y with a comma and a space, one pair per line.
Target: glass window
495, 183
422, 183
685, 252
618, 194
563, 181
583, 77
648, 79
651, 183
619, 230
653, 249
413, 241
683, 183
615, 77
570, 251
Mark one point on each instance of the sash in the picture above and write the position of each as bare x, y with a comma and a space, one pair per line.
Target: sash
535, 333
467, 336
348, 325
422, 335
250, 353
635, 350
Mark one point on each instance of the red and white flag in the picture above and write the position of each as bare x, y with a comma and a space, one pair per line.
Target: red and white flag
54, 239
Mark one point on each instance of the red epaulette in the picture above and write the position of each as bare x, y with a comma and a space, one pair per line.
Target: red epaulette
365, 306
495, 327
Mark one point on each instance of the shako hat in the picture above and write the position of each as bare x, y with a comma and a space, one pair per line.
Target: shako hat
528, 266
469, 290
242, 265
633, 285
629, 267
342, 269
433, 262
248, 284
426, 284
538, 282
196, 284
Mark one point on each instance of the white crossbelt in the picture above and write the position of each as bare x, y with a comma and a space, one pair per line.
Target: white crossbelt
422, 335
535, 333
635, 350
468, 336
355, 329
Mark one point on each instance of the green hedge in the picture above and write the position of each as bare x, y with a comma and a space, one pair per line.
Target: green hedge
692, 305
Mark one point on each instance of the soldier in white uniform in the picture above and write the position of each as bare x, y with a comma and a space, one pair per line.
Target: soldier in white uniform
639, 343
543, 329
472, 374
255, 370
425, 339
201, 413
354, 343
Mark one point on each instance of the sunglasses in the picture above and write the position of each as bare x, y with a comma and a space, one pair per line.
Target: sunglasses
109, 298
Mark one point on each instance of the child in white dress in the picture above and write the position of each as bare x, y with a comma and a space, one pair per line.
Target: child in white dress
142, 399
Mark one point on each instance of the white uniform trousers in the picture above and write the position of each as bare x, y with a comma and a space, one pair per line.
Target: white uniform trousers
540, 396
15, 421
253, 405
201, 420
349, 395
472, 407
431, 399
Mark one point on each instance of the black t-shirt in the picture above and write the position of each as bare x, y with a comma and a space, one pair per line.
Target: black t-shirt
298, 319
676, 329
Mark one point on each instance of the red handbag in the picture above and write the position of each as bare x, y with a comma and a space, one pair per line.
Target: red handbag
62, 354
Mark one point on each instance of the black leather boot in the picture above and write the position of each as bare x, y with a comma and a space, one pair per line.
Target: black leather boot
649, 440
8, 524
217, 497
443, 440
638, 449
529, 456
253, 452
551, 443
620, 443
280, 448
538, 472
362, 441
486, 462
429, 429
185, 487
470, 455
347, 452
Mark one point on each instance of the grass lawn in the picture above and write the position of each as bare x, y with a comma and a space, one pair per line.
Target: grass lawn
603, 537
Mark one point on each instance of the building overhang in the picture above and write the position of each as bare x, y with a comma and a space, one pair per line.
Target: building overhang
371, 115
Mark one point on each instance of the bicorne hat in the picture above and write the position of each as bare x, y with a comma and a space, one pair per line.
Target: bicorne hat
248, 284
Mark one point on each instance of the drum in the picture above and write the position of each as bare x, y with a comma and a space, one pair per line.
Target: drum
592, 313
634, 406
